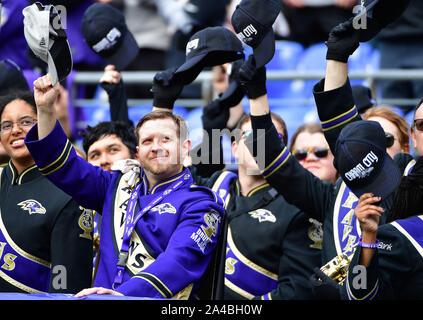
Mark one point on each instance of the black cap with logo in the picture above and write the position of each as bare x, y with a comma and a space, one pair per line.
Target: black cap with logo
362, 161
253, 21
209, 47
105, 31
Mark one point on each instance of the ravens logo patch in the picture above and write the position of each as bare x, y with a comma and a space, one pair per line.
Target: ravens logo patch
32, 206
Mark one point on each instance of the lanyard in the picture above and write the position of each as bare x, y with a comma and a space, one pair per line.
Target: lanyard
131, 220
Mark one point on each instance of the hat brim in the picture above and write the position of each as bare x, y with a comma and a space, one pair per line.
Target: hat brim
385, 183
59, 60
190, 70
126, 53
265, 51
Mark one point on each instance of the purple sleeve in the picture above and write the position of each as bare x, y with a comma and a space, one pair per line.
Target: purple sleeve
58, 161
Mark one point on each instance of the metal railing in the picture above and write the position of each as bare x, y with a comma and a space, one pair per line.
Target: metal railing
145, 77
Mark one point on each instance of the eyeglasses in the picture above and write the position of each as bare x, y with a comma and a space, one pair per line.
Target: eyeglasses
418, 124
390, 139
320, 153
23, 123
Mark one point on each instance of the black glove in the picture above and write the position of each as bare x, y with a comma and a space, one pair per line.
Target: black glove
324, 288
214, 116
252, 80
216, 113
166, 88
342, 42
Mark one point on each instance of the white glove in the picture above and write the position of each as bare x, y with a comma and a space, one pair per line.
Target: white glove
130, 169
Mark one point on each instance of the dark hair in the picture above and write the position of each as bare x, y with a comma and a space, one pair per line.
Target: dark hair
24, 95
246, 118
182, 132
119, 128
408, 198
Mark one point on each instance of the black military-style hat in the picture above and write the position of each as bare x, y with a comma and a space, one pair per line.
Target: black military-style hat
209, 47
379, 14
253, 21
362, 160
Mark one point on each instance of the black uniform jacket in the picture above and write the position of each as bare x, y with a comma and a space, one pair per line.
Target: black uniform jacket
47, 236
270, 247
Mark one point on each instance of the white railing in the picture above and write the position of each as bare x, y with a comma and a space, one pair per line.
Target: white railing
145, 77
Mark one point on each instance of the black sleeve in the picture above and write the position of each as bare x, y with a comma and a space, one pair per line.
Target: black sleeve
203, 181
301, 252
336, 108
389, 268
296, 184
208, 156
118, 101
72, 250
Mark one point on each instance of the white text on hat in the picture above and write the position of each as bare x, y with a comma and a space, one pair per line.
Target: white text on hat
359, 171
108, 41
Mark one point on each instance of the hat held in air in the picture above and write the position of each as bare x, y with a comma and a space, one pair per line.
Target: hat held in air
47, 39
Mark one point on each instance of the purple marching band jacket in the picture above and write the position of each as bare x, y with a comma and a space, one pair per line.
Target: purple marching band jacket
153, 244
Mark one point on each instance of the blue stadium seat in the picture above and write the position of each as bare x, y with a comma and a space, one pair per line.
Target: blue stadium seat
296, 116
135, 113
287, 54
361, 60
313, 59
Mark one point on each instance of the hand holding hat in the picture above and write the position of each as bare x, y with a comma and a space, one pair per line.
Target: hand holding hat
166, 88
342, 42
216, 113
45, 93
253, 79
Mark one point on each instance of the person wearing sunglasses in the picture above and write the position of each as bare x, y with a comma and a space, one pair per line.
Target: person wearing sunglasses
333, 204
308, 145
395, 127
41, 227
417, 128
277, 266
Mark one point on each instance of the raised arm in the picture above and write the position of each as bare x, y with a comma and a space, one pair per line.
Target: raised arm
333, 94
45, 95
297, 185
112, 83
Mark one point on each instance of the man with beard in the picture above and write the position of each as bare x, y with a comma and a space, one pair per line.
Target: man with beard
159, 230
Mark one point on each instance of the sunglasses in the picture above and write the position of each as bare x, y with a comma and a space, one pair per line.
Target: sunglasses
418, 124
390, 139
320, 153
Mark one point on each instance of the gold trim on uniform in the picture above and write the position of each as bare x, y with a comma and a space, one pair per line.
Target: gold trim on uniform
238, 290
17, 284
19, 250
246, 261
255, 189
